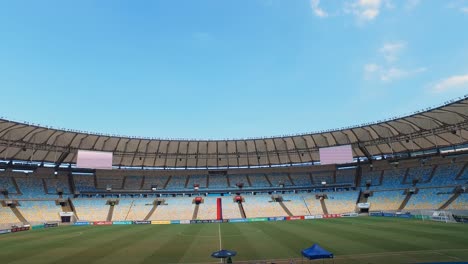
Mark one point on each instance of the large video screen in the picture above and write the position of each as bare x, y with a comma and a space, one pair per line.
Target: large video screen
94, 159
336, 155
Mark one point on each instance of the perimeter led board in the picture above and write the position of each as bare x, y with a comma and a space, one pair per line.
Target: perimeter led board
94, 159
336, 155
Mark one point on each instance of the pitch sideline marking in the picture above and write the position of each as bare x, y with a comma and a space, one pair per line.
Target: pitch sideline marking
220, 244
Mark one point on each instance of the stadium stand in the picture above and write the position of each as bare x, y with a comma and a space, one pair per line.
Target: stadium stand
60, 182
40, 211
32, 187
197, 179
93, 209
218, 181
122, 210
422, 174
444, 175
84, 183
313, 205
386, 200
208, 209
139, 209
230, 208
8, 218
296, 204
373, 176
177, 182
176, 208
159, 181
259, 180
323, 176
392, 179
279, 178
238, 178
112, 181
341, 202
133, 182
429, 198
37, 201
345, 176
301, 179
262, 206
461, 203
7, 184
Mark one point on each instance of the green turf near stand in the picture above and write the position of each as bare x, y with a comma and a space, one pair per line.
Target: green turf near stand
352, 240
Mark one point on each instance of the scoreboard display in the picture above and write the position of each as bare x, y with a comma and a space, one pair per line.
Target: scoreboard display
336, 155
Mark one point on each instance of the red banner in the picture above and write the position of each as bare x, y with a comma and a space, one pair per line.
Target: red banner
294, 218
219, 215
19, 229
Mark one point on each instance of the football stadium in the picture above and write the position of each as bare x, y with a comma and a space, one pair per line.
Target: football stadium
382, 179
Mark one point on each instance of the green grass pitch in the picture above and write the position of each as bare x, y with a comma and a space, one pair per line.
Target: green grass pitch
352, 240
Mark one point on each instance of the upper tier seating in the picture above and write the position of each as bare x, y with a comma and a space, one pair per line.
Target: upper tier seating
84, 183
238, 178
32, 187
258, 180
158, 181
277, 178
177, 182
322, 176
197, 179
7, 184
392, 179
345, 176
464, 174
301, 179
218, 181
444, 175
60, 182
422, 174
133, 182
115, 182
373, 176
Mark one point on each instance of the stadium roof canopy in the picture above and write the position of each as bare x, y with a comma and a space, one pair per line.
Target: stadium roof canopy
433, 128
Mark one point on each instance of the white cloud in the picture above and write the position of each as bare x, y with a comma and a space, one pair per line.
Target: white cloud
464, 9
316, 8
390, 73
364, 10
387, 69
451, 83
392, 50
410, 4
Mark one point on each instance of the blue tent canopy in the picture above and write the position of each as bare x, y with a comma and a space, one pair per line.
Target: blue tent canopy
224, 253
316, 252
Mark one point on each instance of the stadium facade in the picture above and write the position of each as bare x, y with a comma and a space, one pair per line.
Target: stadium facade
405, 164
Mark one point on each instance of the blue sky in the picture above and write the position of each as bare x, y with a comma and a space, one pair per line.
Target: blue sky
228, 69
